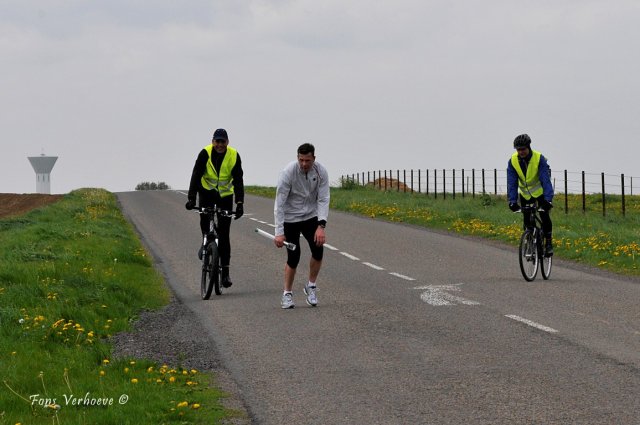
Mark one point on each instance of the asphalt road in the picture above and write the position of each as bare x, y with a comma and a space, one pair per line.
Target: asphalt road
412, 326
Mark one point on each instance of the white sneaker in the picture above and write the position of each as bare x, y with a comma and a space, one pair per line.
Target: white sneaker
310, 291
287, 301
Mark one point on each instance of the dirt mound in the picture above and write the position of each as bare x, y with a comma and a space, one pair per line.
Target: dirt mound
12, 204
392, 184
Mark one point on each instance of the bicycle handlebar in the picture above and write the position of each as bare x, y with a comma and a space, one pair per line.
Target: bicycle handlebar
212, 210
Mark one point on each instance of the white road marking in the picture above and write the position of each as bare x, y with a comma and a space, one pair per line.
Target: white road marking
373, 266
532, 324
401, 276
346, 254
438, 295
349, 256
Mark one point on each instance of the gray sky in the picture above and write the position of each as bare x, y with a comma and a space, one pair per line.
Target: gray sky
126, 91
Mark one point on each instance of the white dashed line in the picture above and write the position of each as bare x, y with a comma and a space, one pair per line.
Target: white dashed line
401, 276
346, 254
349, 256
532, 324
373, 266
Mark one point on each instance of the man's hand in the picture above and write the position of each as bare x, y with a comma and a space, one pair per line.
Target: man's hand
191, 204
239, 211
279, 241
319, 238
514, 207
545, 205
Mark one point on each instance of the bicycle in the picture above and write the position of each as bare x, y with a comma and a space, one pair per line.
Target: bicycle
532, 252
211, 268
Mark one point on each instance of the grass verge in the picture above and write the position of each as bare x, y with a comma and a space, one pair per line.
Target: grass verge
71, 275
608, 242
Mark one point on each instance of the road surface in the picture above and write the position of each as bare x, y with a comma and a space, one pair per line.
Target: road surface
412, 326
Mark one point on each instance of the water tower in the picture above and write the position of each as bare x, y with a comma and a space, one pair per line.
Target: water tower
43, 165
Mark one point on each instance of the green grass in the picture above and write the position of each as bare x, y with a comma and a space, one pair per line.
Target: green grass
610, 242
72, 274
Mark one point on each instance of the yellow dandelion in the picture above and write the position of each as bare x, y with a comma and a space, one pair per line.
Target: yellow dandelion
102, 373
195, 406
183, 404
134, 380
105, 361
172, 379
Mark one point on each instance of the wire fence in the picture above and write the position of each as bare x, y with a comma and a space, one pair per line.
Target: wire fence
473, 182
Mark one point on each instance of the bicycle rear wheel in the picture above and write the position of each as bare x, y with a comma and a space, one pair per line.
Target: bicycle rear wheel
528, 256
206, 284
216, 271
545, 262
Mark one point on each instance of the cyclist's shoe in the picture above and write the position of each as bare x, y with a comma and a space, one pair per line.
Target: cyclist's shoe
310, 291
287, 301
201, 252
226, 280
548, 248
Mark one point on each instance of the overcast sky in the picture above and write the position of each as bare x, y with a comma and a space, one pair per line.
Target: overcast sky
125, 91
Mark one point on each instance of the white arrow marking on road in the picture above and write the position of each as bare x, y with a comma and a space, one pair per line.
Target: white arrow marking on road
439, 295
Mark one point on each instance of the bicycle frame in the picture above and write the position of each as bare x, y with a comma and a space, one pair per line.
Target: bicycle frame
211, 268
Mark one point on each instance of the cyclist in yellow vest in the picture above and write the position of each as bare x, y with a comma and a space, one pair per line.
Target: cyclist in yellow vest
217, 176
529, 181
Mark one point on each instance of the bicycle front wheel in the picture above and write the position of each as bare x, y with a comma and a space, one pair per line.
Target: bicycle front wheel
528, 256
545, 263
206, 284
215, 269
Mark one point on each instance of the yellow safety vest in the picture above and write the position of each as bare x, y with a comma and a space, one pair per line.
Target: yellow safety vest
223, 183
529, 186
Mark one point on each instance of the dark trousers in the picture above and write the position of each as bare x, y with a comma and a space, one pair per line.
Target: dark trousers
545, 216
211, 198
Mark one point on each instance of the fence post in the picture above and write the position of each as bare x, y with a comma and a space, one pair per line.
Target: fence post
435, 183
623, 206
404, 180
473, 182
566, 194
584, 201
412, 180
419, 181
604, 206
495, 181
483, 191
462, 180
454, 183
427, 181
385, 180
397, 180
444, 185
